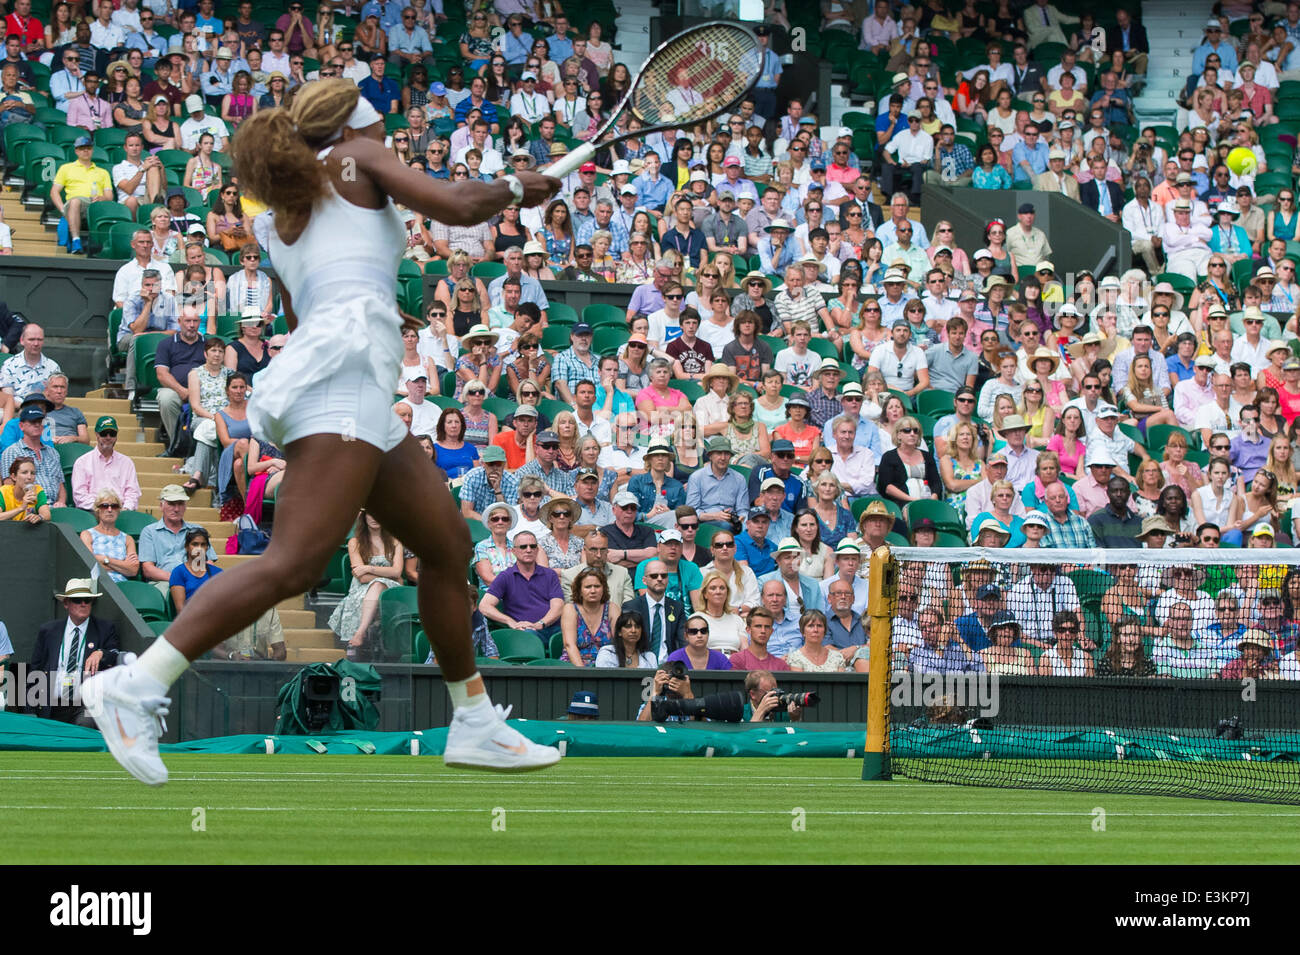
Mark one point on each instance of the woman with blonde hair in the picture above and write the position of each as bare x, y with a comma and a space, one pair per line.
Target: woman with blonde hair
1038, 414
1180, 471
113, 549
458, 265
1150, 481
321, 166
727, 632
565, 427
726, 267
748, 435
961, 468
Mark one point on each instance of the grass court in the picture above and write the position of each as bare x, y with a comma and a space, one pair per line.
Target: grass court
392, 809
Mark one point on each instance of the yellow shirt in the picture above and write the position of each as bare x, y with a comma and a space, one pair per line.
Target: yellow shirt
251, 206
81, 182
8, 502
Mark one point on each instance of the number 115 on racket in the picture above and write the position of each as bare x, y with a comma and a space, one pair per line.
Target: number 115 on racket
690, 78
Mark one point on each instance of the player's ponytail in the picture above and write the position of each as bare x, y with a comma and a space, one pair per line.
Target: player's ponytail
275, 149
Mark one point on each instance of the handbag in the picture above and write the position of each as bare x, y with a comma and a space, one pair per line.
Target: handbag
252, 539
181, 444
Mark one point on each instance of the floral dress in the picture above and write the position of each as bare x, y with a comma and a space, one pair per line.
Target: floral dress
961, 473
114, 547
465, 361
562, 560
589, 643
557, 249
476, 429
499, 559
347, 615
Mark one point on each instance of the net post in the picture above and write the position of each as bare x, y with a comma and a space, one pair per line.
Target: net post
881, 602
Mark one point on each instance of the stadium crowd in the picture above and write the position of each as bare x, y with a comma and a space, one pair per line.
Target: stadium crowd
798, 372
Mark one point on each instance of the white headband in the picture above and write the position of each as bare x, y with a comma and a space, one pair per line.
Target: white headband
362, 116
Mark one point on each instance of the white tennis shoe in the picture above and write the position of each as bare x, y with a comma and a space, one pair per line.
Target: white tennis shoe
483, 740
131, 723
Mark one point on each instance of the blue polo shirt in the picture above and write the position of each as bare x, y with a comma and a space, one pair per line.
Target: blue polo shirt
380, 93
757, 556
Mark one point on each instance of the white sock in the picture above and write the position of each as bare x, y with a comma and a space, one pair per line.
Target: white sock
163, 662
460, 698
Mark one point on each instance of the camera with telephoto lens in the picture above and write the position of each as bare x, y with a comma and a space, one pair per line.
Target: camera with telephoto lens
675, 669
1230, 728
783, 700
722, 707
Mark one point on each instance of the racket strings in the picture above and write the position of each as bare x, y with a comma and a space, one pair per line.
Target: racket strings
694, 77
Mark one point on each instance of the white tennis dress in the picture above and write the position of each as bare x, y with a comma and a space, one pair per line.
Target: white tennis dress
336, 374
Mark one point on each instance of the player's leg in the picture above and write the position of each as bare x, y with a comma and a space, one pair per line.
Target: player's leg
410, 499
326, 482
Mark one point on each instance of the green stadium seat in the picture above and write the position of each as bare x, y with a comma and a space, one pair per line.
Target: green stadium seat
338, 579
109, 136
561, 312
943, 514
1158, 437
146, 346
607, 339
553, 406
435, 267
519, 646
487, 270
68, 453
597, 314
860, 505
693, 390
398, 606
131, 522
146, 599
75, 518
555, 646
935, 403
16, 133
555, 337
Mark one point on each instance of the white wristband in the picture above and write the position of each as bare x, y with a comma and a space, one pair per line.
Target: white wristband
516, 188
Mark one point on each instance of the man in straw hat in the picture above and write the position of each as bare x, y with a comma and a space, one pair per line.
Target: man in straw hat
69, 649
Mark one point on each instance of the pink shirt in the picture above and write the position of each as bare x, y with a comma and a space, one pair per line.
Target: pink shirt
1069, 458
90, 113
1090, 495
745, 660
92, 474
671, 400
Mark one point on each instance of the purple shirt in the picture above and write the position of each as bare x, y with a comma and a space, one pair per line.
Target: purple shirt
646, 300
717, 659
526, 598
1249, 457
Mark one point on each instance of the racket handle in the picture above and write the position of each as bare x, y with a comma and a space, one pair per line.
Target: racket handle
570, 163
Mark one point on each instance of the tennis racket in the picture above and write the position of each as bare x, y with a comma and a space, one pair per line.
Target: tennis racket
691, 77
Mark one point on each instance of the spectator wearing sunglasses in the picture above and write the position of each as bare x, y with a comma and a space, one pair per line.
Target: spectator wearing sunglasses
69, 649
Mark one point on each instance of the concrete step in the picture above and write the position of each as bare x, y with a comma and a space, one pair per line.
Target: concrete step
297, 619
215, 529
293, 603
158, 466
311, 638
146, 449
312, 655
100, 405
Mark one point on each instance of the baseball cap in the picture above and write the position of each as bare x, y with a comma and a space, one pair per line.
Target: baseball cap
82, 141
818, 165
672, 535
1107, 411
33, 413
1099, 457
772, 482
438, 89
581, 328
105, 423
759, 513
548, 437
1025, 208
626, 499
526, 411
174, 492
1263, 530
583, 473
493, 454
587, 167
584, 704
735, 161
782, 445
628, 190
1206, 361
987, 591
193, 104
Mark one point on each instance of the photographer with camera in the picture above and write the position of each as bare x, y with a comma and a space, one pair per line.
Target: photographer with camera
768, 704
671, 683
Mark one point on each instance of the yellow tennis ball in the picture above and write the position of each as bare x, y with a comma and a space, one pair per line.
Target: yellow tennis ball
1242, 161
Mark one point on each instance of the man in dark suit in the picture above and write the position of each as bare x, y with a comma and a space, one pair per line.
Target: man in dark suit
69, 650
1103, 197
1131, 38
664, 617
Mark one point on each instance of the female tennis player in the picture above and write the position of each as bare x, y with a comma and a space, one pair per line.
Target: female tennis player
322, 168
